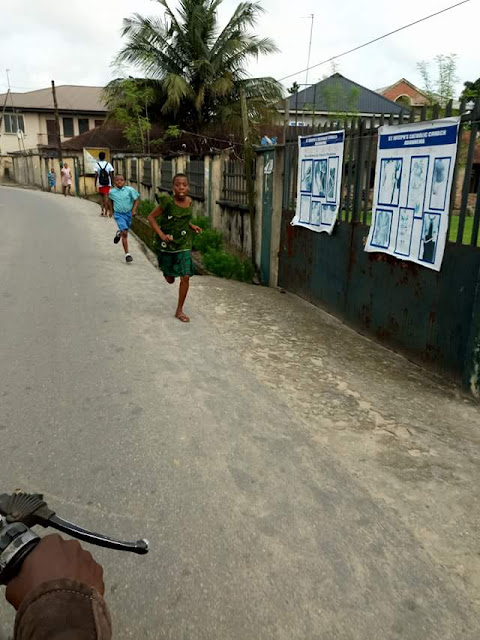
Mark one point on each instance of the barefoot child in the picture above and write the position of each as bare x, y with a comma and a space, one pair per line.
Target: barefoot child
174, 238
123, 205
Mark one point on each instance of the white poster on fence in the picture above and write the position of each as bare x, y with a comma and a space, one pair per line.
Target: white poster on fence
413, 182
319, 180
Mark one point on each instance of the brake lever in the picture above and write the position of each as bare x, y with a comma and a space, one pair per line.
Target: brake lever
140, 546
21, 511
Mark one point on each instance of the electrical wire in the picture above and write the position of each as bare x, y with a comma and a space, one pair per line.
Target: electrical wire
366, 44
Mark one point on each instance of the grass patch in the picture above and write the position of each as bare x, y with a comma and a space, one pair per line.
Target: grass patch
145, 207
226, 265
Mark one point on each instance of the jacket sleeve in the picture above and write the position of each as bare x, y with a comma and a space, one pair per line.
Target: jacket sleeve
63, 610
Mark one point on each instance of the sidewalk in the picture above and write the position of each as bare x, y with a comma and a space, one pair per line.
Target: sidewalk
411, 438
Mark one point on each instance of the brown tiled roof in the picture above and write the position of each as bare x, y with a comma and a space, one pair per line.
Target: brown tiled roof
69, 97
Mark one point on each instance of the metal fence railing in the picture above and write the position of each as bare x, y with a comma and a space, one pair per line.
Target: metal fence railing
147, 172
361, 136
196, 177
166, 174
234, 186
133, 170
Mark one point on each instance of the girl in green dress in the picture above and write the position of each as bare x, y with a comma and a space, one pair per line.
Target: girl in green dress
173, 241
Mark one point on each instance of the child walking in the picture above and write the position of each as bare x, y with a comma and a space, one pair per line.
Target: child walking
52, 179
123, 204
174, 238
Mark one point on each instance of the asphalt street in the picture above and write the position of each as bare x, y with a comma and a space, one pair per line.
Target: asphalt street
137, 425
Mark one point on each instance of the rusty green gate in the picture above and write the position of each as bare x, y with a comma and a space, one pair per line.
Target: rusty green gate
434, 318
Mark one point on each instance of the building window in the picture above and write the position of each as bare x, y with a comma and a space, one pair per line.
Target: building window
83, 125
98, 123
68, 127
13, 123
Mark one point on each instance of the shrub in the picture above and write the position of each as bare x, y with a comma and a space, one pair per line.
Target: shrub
202, 221
208, 239
226, 265
145, 207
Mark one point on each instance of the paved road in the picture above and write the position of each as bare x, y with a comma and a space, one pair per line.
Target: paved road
137, 425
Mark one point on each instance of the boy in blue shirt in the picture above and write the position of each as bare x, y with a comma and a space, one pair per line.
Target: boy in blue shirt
123, 204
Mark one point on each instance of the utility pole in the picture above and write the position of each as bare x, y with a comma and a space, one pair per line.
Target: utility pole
312, 18
57, 122
248, 154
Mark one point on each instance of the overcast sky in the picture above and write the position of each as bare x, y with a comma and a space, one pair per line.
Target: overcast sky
74, 42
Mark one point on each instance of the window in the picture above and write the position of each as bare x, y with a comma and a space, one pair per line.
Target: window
68, 127
98, 123
12, 123
83, 125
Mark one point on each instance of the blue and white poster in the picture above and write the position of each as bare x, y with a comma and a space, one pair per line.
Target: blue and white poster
413, 183
319, 180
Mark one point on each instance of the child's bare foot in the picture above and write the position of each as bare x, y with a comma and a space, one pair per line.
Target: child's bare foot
182, 317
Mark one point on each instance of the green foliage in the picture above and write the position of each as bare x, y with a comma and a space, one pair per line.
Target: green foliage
202, 221
441, 87
226, 265
145, 207
200, 67
471, 90
172, 132
128, 102
208, 239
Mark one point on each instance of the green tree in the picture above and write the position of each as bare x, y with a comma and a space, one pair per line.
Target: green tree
201, 68
128, 102
471, 90
439, 85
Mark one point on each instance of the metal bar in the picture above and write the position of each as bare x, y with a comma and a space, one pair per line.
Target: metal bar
436, 111
476, 219
344, 173
369, 170
350, 171
412, 115
359, 171
468, 170
448, 109
400, 118
423, 113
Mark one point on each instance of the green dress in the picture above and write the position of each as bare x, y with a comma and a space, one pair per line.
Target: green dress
175, 257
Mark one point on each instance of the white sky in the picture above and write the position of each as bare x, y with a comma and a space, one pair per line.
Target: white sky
74, 42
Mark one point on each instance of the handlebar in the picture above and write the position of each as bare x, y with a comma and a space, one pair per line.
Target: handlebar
21, 511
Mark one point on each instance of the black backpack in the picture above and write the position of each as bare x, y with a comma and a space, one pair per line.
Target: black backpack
103, 177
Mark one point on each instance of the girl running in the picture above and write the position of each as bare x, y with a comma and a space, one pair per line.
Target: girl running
174, 238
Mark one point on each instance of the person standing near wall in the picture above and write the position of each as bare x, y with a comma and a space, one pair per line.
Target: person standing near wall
66, 179
52, 179
103, 181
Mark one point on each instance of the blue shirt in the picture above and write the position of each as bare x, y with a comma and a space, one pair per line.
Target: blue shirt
123, 199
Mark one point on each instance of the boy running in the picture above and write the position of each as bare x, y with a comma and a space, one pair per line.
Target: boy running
123, 205
174, 238
103, 181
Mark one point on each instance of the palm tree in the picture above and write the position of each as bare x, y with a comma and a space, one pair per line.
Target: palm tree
199, 68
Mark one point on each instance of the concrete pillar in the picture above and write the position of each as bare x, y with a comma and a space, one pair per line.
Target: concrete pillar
260, 164
216, 189
278, 171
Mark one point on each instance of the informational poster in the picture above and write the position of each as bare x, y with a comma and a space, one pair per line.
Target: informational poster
319, 180
413, 183
90, 158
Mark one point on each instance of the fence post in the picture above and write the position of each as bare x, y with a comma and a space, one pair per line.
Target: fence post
278, 173
216, 171
471, 375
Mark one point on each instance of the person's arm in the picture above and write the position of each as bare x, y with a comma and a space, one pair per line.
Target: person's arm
152, 221
59, 592
110, 206
195, 228
135, 207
